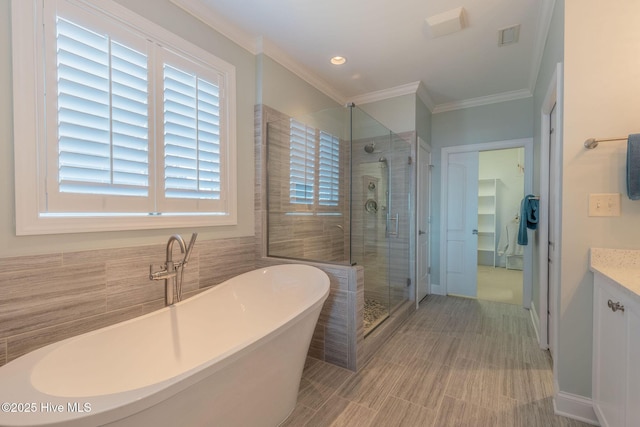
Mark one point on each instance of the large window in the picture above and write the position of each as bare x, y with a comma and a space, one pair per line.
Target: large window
134, 127
314, 166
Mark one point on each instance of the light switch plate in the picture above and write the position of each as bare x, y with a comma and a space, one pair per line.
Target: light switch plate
605, 204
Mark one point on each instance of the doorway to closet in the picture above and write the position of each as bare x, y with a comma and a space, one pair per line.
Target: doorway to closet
478, 211
500, 257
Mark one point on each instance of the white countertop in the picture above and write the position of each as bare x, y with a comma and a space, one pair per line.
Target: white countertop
620, 265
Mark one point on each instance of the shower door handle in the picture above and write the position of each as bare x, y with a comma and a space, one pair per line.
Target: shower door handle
389, 219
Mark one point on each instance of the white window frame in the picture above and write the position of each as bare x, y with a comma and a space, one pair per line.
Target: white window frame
29, 128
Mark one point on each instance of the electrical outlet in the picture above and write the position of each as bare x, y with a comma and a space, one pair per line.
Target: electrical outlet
606, 204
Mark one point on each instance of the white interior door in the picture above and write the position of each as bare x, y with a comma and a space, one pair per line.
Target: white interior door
553, 263
424, 214
462, 224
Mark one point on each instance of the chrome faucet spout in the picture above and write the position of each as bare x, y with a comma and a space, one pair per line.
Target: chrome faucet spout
172, 239
171, 285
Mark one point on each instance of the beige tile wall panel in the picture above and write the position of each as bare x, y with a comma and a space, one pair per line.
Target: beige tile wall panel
21, 263
21, 344
31, 299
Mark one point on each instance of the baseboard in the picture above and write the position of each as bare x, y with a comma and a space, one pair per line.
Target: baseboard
437, 289
576, 407
535, 320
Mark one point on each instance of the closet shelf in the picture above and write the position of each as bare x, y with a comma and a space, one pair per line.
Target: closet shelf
487, 195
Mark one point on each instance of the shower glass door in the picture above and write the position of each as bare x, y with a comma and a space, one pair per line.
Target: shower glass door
380, 215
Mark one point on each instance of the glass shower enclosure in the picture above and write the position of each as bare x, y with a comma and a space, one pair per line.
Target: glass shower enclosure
339, 191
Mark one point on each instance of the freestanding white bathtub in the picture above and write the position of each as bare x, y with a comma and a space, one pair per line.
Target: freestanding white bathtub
230, 356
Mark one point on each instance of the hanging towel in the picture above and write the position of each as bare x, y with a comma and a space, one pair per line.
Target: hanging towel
633, 166
529, 218
507, 244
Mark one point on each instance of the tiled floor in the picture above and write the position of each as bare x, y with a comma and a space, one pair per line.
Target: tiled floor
455, 362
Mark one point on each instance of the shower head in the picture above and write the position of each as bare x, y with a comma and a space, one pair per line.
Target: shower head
382, 159
370, 147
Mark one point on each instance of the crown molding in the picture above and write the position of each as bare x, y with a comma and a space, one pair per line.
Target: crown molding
483, 100
202, 12
546, 15
423, 94
379, 95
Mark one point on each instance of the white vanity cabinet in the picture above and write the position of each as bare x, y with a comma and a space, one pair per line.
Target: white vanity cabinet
616, 353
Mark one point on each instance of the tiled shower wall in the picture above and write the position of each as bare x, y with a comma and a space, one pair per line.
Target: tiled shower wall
47, 298
303, 231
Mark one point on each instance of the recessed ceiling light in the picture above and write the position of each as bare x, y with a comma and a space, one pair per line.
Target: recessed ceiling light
338, 60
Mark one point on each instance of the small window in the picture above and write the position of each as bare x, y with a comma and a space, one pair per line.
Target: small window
314, 166
134, 127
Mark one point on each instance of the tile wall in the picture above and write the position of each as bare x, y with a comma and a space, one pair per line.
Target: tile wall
47, 298
310, 232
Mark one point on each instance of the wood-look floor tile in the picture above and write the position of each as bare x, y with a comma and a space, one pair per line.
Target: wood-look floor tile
444, 349
319, 381
299, 417
329, 412
396, 412
355, 415
403, 347
463, 374
423, 383
372, 385
474, 363
454, 412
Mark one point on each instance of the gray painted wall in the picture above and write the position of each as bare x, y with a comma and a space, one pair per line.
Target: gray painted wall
287, 93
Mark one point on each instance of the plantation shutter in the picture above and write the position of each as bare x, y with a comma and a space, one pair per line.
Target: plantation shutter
329, 170
103, 136
302, 155
191, 136
134, 126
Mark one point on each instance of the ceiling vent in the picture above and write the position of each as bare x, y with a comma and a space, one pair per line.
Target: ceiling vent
446, 22
508, 35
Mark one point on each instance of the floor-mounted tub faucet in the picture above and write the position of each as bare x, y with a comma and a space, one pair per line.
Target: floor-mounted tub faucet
172, 271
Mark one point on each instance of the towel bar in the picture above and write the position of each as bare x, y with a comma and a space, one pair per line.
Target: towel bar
593, 142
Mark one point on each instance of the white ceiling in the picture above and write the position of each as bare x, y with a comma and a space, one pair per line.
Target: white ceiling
388, 45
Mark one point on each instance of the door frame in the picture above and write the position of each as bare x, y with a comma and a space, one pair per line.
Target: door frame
553, 97
527, 144
420, 203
